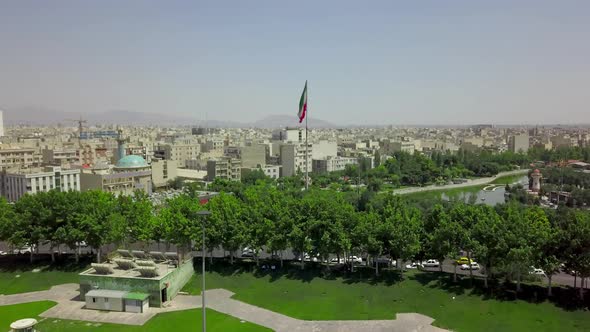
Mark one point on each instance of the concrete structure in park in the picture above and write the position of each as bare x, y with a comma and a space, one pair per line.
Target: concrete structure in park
163, 171
225, 168
132, 283
519, 143
293, 158
13, 185
536, 183
332, 164
1, 123
110, 300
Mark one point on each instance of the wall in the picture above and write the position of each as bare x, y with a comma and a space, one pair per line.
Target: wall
142, 285
100, 304
177, 279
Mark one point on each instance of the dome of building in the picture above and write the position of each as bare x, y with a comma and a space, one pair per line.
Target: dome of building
131, 161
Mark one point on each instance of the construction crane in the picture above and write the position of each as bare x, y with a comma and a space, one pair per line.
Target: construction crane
81, 123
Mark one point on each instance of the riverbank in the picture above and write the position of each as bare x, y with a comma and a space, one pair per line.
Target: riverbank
469, 183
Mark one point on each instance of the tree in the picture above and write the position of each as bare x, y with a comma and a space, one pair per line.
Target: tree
252, 177
99, 220
404, 223
490, 244
31, 222
227, 213
7, 223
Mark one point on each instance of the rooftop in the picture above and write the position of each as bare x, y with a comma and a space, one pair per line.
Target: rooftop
163, 268
131, 161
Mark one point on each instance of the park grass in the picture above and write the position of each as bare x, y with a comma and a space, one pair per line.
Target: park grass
179, 321
11, 313
304, 295
19, 277
508, 179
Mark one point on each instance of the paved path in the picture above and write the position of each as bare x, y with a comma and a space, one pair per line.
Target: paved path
69, 307
469, 183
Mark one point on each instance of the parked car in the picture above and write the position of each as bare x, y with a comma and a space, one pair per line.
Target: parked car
23, 250
3, 253
335, 260
355, 259
431, 263
536, 271
247, 252
463, 260
414, 265
82, 244
474, 266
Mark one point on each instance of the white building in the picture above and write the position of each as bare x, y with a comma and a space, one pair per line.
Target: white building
225, 168
14, 185
324, 149
289, 135
332, 164
293, 158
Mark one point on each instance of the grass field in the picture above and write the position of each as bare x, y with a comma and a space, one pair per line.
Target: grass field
306, 296
11, 313
19, 277
180, 321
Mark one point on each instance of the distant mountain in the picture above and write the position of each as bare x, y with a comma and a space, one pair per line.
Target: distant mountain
38, 116
279, 121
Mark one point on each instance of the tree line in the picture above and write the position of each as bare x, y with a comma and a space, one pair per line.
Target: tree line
506, 240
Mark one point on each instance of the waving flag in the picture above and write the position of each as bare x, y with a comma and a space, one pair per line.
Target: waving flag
303, 104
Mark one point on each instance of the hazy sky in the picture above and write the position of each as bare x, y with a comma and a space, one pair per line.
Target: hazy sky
367, 62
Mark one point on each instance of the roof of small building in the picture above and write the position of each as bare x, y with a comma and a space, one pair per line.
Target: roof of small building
131, 161
113, 294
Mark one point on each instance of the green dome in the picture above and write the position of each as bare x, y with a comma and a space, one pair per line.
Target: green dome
131, 161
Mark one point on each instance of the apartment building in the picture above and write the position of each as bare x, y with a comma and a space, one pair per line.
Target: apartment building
19, 158
13, 185
519, 143
293, 158
225, 168
163, 171
332, 164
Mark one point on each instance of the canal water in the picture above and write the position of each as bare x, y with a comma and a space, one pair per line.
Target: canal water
490, 194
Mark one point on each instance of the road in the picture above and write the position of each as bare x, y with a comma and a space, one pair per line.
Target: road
469, 183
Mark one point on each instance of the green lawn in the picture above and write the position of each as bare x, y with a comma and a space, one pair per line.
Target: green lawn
180, 321
509, 179
11, 313
22, 281
308, 297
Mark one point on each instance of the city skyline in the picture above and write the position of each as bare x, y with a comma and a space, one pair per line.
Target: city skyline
458, 63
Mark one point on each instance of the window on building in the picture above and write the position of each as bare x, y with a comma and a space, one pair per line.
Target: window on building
106, 300
94, 300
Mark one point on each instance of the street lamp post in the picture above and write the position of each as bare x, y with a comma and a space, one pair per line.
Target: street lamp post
203, 214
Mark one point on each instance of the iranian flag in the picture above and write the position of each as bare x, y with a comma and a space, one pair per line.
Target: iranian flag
303, 104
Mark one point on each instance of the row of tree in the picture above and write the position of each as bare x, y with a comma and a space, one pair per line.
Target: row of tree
506, 240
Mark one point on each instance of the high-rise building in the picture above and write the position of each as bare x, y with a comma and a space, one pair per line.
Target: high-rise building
519, 143
1, 124
225, 168
293, 158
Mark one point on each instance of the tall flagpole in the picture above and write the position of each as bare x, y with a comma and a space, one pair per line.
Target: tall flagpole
306, 145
